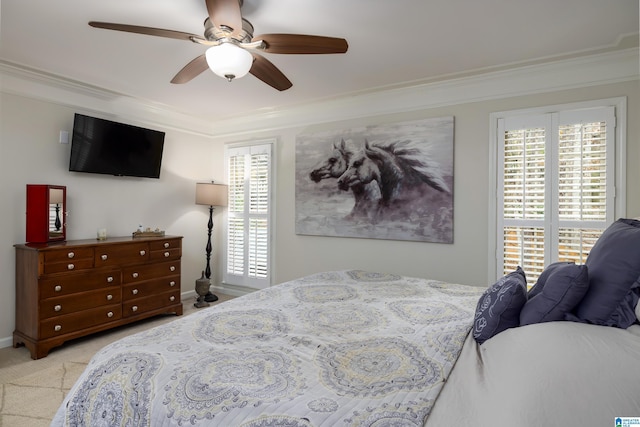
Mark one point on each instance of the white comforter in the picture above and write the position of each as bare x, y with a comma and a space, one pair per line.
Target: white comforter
548, 374
333, 349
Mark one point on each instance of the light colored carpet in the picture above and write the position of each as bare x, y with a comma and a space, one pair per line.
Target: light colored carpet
32, 390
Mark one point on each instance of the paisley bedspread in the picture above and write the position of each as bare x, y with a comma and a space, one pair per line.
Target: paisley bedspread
346, 348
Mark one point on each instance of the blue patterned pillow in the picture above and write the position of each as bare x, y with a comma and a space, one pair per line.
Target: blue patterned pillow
563, 287
499, 306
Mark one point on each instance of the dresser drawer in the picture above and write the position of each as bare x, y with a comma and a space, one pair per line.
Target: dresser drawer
166, 254
139, 273
80, 320
130, 253
60, 285
150, 287
163, 244
68, 254
59, 306
141, 305
70, 265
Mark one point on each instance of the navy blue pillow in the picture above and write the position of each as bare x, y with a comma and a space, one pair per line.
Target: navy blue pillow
542, 279
564, 286
499, 306
614, 269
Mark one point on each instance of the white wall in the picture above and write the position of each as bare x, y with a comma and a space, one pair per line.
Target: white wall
466, 260
30, 153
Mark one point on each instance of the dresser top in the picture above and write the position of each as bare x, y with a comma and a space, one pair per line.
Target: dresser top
91, 242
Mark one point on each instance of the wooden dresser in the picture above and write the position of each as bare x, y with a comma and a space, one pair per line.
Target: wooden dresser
71, 289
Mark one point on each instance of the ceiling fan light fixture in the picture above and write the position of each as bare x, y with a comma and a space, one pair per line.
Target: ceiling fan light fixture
229, 61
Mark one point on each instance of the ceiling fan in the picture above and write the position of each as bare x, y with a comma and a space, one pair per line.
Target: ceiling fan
233, 50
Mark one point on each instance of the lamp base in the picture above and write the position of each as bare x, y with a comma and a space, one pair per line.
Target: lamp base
209, 297
200, 303
202, 289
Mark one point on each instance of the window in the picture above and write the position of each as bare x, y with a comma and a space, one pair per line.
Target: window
249, 175
556, 181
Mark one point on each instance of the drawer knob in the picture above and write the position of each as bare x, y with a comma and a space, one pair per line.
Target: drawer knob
166, 244
172, 298
172, 283
57, 308
70, 267
109, 279
134, 291
166, 254
57, 328
71, 254
109, 297
172, 268
134, 308
143, 253
110, 314
58, 288
104, 257
134, 275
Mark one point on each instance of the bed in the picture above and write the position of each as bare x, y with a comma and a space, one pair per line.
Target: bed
356, 348
344, 348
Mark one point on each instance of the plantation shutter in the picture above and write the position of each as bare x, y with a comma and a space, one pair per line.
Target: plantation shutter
248, 225
524, 195
555, 187
586, 181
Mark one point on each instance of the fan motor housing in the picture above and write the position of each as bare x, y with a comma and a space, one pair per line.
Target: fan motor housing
214, 34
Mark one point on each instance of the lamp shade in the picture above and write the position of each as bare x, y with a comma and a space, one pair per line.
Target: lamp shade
56, 196
229, 61
211, 194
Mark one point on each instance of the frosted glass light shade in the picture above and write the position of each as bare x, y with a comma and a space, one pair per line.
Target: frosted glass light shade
229, 61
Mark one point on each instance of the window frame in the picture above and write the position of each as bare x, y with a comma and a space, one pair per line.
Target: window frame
244, 280
619, 105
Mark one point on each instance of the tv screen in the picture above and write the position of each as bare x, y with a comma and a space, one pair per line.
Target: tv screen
106, 147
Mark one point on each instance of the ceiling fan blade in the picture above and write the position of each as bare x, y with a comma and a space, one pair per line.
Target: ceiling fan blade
263, 69
146, 30
302, 44
225, 12
191, 70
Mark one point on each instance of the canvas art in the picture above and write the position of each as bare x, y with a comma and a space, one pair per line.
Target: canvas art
389, 181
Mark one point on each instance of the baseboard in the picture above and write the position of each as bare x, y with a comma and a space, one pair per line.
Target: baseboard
223, 288
6, 342
226, 289
233, 290
188, 295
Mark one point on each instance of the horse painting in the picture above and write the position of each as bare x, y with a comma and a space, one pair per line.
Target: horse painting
401, 174
365, 195
392, 180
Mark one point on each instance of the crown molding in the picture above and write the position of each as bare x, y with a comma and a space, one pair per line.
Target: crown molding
584, 71
593, 70
19, 80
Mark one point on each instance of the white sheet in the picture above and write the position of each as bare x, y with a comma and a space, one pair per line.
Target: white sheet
549, 374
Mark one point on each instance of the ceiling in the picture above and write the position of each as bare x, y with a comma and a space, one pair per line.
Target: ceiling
391, 44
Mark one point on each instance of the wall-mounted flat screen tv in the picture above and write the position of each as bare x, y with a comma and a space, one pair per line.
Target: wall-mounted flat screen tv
112, 148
